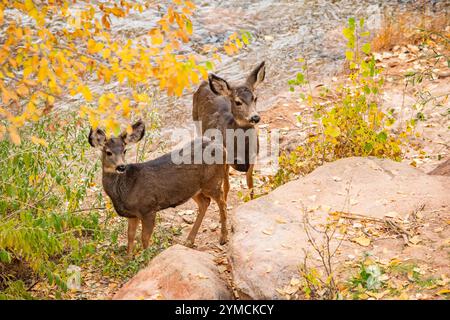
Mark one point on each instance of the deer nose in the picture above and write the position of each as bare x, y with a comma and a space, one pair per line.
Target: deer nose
255, 118
120, 168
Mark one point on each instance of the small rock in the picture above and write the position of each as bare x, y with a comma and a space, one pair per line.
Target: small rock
213, 226
188, 219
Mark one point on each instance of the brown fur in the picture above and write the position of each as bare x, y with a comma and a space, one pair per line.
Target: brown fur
143, 189
217, 105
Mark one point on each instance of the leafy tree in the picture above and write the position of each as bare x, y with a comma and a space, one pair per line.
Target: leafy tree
56, 49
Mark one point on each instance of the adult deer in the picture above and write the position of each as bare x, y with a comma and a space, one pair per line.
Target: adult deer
218, 105
139, 190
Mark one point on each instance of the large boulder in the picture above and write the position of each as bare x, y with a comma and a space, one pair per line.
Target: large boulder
268, 240
178, 273
443, 169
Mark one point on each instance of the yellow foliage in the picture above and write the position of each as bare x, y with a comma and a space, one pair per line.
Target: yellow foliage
40, 66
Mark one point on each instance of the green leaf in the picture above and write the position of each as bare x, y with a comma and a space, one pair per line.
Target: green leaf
5, 257
382, 136
351, 23
368, 147
300, 78
209, 65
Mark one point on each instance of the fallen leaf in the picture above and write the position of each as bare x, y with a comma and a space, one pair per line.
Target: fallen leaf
295, 282
377, 295
312, 208
444, 291
353, 202
280, 291
221, 268
415, 240
291, 290
267, 231
364, 241
202, 276
280, 220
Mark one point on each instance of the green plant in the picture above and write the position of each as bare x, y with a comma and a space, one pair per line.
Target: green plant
353, 123
368, 277
43, 183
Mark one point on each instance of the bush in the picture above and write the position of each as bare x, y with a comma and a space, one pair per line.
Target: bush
353, 124
43, 183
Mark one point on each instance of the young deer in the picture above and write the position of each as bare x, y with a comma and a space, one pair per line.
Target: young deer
217, 105
139, 190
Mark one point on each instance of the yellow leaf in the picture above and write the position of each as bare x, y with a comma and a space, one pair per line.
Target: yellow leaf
280, 220
362, 241
444, 291
194, 78
125, 107
13, 135
106, 53
40, 141
415, 240
86, 92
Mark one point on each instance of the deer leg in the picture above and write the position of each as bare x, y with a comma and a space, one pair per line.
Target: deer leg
249, 176
202, 203
226, 182
132, 226
223, 219
148, 224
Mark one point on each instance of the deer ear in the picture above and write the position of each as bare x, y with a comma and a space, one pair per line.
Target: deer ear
257, 76
97, 138
137, 133
218, 85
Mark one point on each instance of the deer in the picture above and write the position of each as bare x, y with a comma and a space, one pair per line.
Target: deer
139, 190
219, 105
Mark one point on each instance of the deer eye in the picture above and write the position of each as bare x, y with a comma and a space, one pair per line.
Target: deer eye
108, 153
256, 99
124, 151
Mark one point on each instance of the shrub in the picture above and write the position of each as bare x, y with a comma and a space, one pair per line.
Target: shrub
353, 124
43, 183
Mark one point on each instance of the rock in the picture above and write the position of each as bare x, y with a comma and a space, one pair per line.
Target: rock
189, 219
268, 239
177, 273
443, 169
213, 226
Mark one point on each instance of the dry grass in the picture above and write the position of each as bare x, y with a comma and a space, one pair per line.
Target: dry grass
411, 27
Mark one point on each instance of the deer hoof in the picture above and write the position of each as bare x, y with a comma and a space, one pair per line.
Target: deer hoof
189, 244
